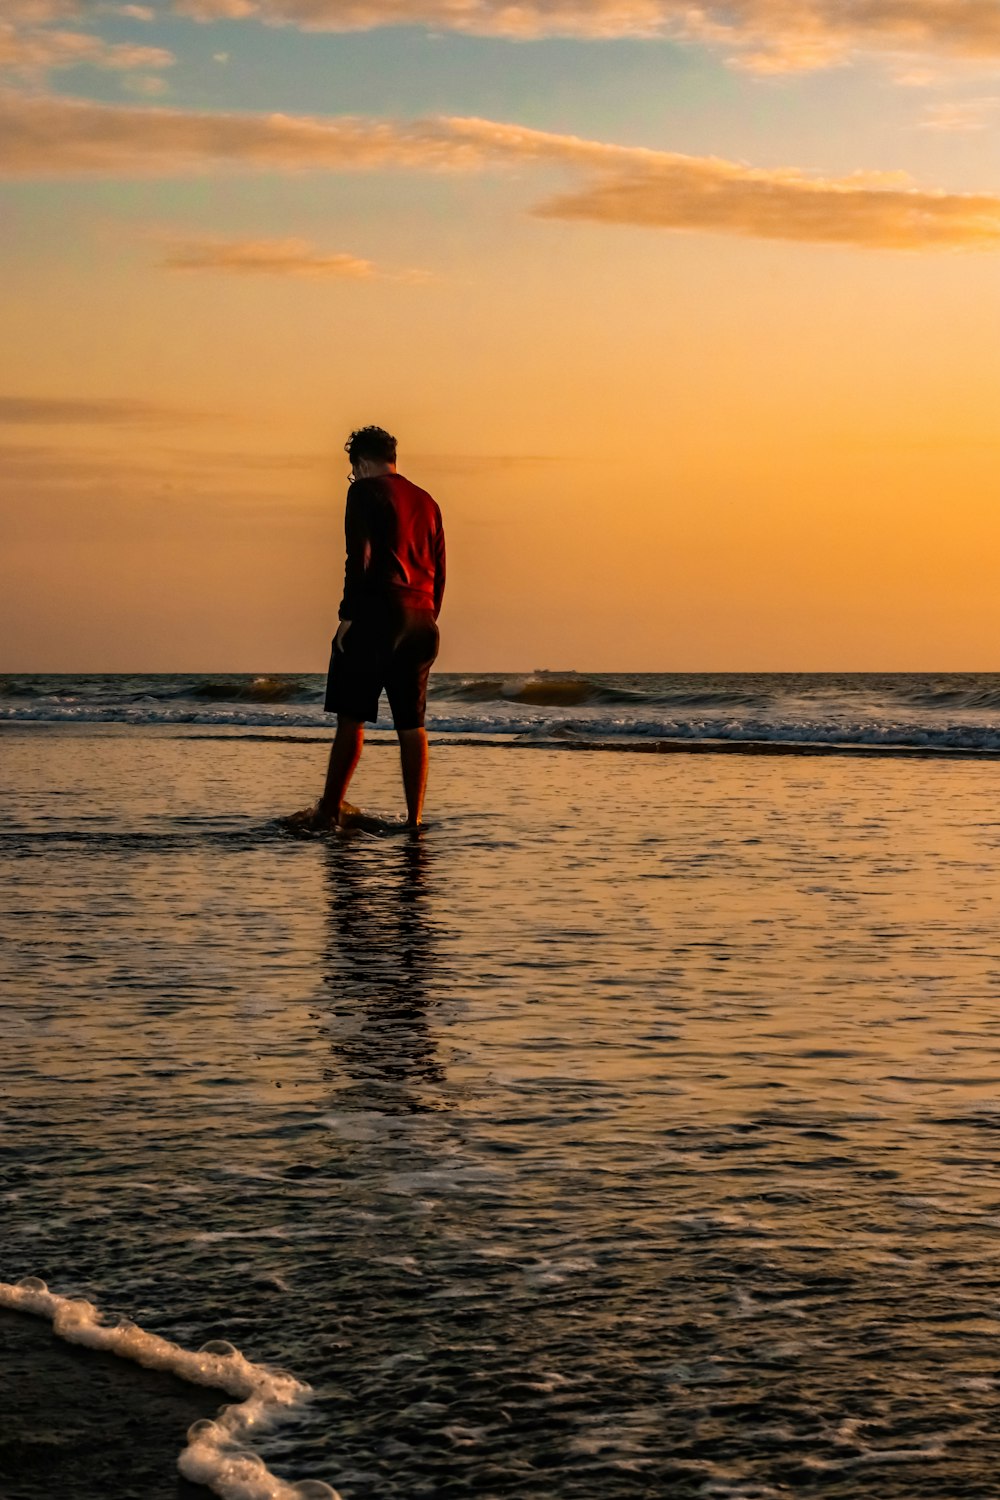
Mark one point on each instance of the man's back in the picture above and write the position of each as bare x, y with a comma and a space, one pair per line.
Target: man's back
395, 547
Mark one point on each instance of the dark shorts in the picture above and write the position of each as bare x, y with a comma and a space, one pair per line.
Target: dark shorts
394, 652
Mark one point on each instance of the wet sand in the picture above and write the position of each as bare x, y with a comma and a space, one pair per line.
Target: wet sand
77, 1423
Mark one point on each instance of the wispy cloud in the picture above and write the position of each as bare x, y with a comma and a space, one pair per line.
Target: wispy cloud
146, 85
54, 136
78, 411
30, 468
962, 115
35, 53
279, 258
96, 489
266, 257
768, 35
621, 185
67, 467
724, 199
517, 19
914, 76
34, 43
39, 12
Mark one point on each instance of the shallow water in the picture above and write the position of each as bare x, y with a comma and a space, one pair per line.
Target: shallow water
632, 1132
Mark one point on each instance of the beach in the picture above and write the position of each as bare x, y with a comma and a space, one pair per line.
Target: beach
629, 1131
77, 1422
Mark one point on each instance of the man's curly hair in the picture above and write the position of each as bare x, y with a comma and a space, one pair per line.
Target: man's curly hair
373, 443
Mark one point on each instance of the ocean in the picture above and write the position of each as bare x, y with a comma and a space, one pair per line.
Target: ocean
629, 1131
929, 711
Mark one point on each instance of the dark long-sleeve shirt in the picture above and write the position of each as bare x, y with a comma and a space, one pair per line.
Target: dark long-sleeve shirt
395, 547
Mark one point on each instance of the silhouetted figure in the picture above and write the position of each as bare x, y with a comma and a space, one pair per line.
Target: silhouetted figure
388, 634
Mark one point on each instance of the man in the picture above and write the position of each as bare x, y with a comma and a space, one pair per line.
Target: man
388, 634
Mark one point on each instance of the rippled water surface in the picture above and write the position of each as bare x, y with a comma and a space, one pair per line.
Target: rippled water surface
633, 1132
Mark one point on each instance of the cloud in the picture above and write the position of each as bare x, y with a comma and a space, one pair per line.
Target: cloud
723, 199
146, 85
79, 491
34, 53
266, 257
77, 411
278, 258
33, 44
117, 475
30, 468
768, 35
50, 136
45, 12
72, 464
911, 77
622, 185
519, 21
963, 116
116, 478
39, 12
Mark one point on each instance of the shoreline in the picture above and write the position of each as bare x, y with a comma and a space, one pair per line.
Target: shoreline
382, 736
663, 747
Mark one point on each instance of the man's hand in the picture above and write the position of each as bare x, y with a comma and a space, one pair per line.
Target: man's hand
342, 629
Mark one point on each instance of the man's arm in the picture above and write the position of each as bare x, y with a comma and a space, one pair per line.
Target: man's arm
358, 555
439, 566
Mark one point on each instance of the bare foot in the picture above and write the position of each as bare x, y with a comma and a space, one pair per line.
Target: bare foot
323, 819
317, 819
309, 820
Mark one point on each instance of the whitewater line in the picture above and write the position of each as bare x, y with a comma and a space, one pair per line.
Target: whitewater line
217, 1454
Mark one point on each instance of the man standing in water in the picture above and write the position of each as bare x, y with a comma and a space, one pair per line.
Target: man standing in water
388, 634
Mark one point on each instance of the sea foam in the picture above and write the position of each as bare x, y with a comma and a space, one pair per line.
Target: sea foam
217, 1453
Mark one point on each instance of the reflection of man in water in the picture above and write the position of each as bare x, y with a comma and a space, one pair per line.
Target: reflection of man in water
388, 635
384, 971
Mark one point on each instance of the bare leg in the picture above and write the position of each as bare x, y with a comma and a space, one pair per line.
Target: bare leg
413, 757
345, 752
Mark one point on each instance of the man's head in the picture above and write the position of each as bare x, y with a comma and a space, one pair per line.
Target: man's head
372, 451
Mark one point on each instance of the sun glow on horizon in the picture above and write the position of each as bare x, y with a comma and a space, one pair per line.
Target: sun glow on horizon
690, 332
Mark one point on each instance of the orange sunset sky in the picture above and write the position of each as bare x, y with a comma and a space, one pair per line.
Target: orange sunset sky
689, 316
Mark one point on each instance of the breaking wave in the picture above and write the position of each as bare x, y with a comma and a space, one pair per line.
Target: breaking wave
166, 688
259, 690
933, 713
975, 696
552, 690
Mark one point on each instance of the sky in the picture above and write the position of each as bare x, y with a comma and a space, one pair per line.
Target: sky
687, 314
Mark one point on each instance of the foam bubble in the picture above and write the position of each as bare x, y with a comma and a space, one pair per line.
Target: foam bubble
218, 1454
218, 1346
